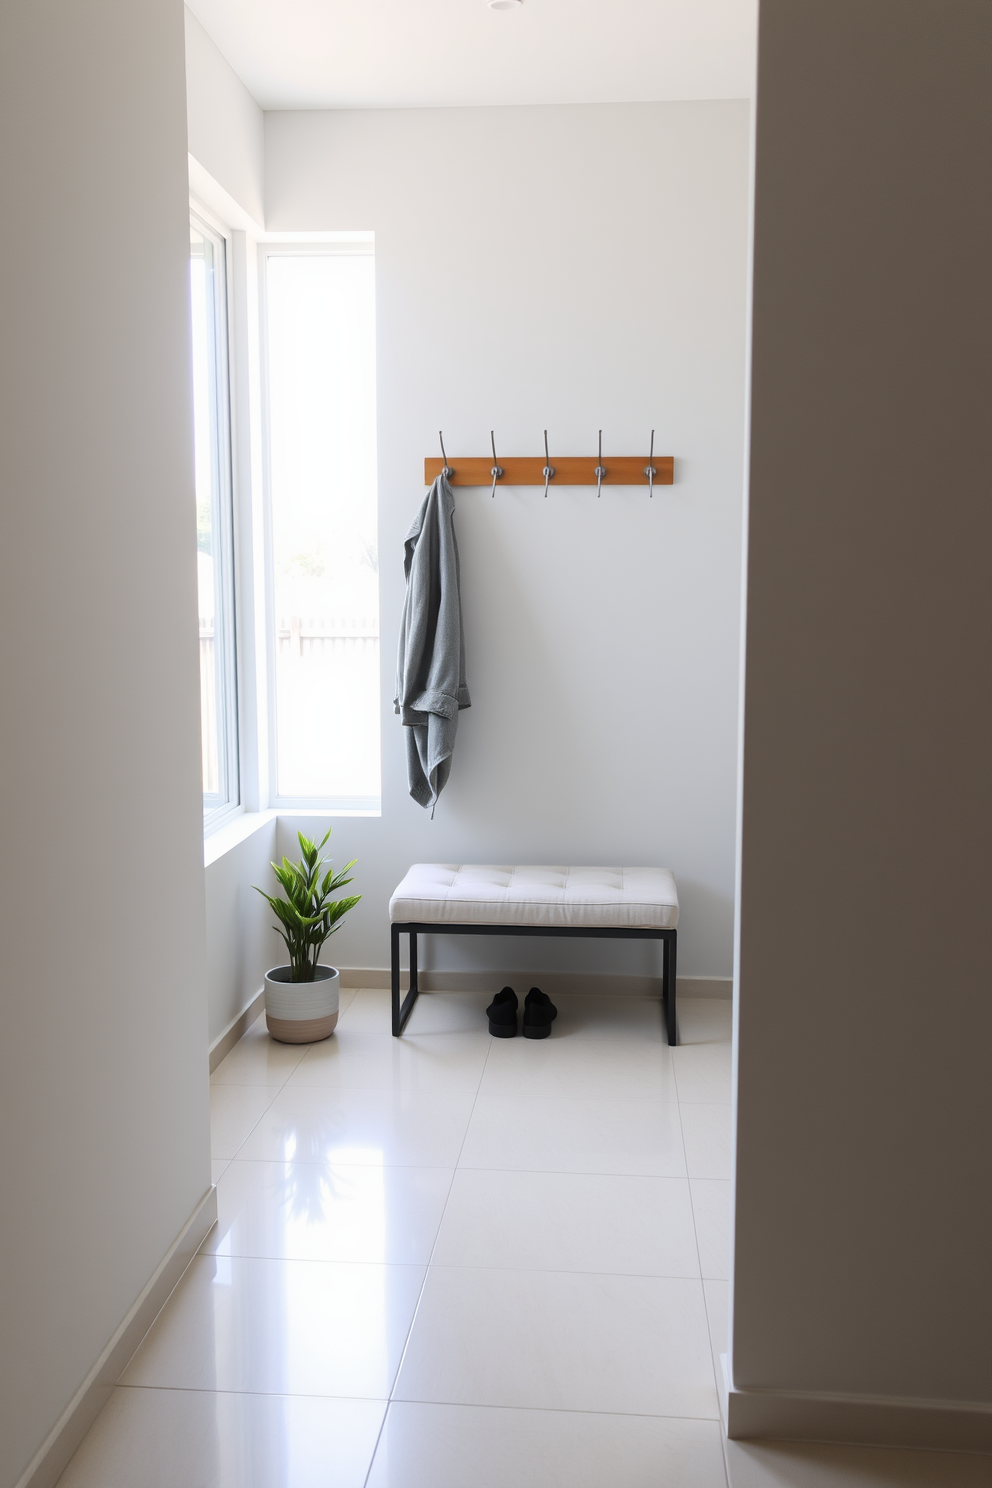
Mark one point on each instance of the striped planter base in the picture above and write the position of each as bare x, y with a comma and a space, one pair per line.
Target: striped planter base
301, 1012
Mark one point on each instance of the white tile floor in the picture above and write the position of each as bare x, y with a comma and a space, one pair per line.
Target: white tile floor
449, 1261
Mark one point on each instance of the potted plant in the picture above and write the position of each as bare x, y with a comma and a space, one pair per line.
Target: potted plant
301, 999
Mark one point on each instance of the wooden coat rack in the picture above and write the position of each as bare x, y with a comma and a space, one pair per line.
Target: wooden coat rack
566, 470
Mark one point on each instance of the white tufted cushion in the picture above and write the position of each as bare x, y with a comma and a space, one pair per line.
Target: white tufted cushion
480, 894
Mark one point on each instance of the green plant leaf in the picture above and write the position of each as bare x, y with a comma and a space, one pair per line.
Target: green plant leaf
341, 907
307, 915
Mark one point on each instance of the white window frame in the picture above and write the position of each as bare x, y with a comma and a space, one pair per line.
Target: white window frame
339, 246
228, 805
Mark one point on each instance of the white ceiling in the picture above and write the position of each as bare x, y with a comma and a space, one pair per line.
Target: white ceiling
296, 54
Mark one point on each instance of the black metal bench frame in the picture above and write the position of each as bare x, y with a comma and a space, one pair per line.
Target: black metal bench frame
413, 928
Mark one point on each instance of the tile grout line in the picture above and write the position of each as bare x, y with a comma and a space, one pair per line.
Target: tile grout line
698, 1278
275, 1092
255, 1085
234, 1157
427, 1271
684, 1177
702, 1284
471, 1168
233, 1084
561, 1410
304, 1047
456, 1266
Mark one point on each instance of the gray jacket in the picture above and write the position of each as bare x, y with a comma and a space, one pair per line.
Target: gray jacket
430, 669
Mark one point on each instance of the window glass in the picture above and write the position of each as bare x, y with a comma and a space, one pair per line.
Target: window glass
214, 522
320, 341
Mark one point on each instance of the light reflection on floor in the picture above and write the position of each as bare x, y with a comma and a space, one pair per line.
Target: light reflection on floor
446, 1261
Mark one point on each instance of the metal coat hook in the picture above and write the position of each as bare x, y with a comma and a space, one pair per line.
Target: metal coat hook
496, 471
549, 469
568, 470
600, 470
649, 469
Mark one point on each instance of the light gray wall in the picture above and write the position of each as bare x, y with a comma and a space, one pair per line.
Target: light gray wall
241, 943
226, 133
863, 1182
568, 268
103, 1069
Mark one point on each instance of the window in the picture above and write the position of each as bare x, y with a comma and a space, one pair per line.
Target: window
214, 523
323, 561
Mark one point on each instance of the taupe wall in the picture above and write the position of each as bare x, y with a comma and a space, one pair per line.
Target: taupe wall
103, 1035
863, 1237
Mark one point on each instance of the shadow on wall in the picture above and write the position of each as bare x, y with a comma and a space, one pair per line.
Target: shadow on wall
505, 757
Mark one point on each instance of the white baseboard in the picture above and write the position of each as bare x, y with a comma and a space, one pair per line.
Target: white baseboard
555, 983
560, 984
699, 986
881, 1421
236, 1029
723, 1387
50, 1461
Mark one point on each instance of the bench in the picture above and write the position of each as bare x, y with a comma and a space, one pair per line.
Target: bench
479, 899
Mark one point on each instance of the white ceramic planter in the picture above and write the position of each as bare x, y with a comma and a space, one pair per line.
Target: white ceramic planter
301, 1012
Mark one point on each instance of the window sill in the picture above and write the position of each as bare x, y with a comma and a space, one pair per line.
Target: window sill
229, 836
233, 833
322, 811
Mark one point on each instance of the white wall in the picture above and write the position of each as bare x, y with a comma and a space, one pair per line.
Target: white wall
225, 123
241, 944
226, 175
863, 1187
575, 268
103, 1071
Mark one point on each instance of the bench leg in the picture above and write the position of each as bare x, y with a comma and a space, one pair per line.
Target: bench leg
401, 1011
394, 974
669, 976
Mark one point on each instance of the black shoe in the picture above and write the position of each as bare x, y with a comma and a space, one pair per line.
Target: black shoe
539, 1014
503, 1014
